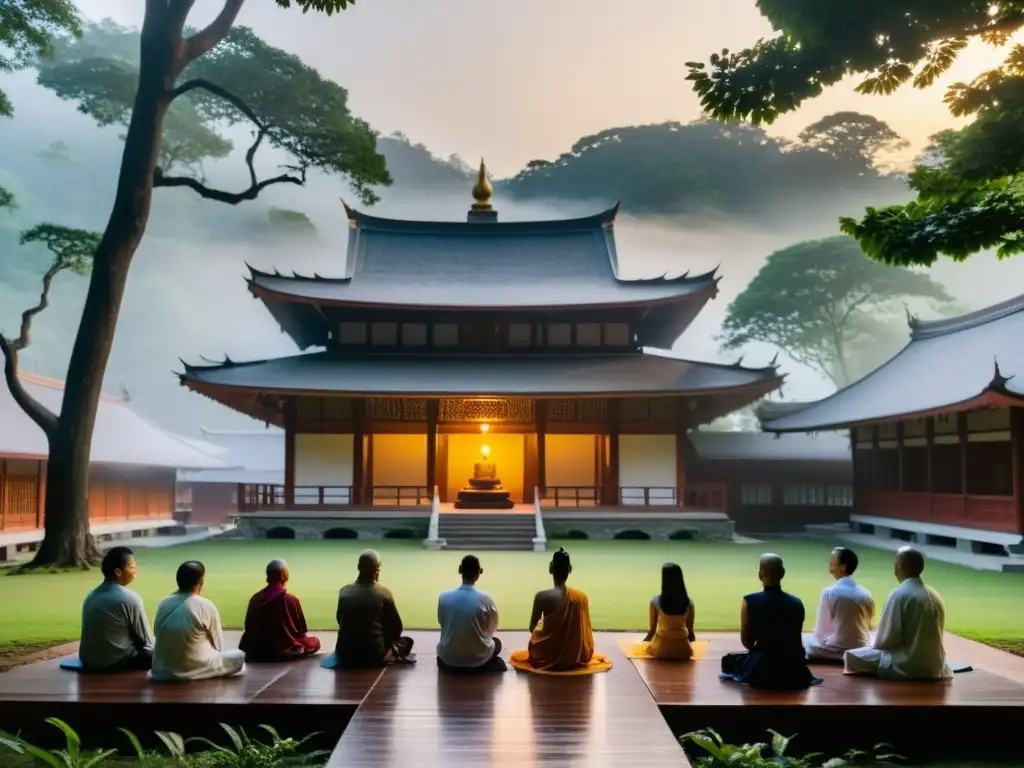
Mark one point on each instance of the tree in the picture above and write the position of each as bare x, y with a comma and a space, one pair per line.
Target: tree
819, 301
971, 199
853, 138
228, 76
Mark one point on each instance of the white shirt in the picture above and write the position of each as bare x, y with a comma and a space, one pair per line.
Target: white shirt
114, 626
845, 611
190, 641
468, 619
910, 633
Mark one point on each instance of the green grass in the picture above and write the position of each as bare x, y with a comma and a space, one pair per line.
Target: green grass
619, 576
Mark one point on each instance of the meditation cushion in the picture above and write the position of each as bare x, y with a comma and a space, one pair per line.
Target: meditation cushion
641, 649
520, 660
72, 664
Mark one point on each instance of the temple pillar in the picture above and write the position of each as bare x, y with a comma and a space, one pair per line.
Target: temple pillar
358, 451
540, 419
432, 408
289, 453
530, 482
610, 496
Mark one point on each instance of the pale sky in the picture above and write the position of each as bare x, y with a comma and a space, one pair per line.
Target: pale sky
516, 80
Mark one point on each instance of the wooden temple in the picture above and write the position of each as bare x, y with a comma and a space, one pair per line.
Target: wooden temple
937, 434
440, 343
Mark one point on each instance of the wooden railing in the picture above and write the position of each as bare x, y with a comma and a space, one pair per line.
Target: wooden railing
571, 495
646, 496
255, 497
707, 496
400, 495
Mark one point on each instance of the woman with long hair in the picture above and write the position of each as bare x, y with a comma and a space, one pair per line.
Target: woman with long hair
671, 616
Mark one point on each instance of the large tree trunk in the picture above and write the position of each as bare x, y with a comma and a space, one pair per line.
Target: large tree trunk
67, 542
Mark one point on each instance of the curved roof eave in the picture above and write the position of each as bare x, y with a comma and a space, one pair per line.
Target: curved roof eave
359, 220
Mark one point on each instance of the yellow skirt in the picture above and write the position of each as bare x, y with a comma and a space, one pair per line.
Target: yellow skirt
520, 660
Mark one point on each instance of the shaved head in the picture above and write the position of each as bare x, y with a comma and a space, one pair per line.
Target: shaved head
909, 563
369, 564
277, 572
770, 569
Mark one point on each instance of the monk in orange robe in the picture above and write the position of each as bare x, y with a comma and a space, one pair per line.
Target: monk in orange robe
275, 627
561, 636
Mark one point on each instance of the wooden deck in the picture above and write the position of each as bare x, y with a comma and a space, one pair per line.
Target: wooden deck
630, 716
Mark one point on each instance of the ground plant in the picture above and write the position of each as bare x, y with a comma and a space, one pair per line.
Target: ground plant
717, 754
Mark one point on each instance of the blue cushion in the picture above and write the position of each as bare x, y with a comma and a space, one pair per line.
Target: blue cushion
330, 661
72, 664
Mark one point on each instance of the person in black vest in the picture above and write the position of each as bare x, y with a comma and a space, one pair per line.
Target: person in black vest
771, 625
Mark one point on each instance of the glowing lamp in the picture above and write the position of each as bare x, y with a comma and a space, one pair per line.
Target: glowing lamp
485, 451
485, 428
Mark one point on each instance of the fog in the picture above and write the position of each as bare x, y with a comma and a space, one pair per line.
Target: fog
187, 297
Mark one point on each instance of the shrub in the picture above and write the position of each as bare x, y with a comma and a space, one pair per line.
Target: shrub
401, 533
573, 534
633, 535
341, 533
281, 532
683, 535
722, 755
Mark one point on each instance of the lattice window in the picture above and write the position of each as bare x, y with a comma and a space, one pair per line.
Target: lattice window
759, 495
588, 334
384, 409
486, 409
634, 409
520, 335
384, 334
451, 409
414, 334
21, 492
336, 408
616, 334
590, 409
414, 410
559, 334
561, 410
352, 333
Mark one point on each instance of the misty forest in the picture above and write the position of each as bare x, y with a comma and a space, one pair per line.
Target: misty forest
240, 178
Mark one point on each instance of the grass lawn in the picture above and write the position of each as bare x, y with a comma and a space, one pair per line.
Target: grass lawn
619, 576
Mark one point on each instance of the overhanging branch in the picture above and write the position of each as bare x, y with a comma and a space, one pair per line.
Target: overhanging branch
217, 30
43, 417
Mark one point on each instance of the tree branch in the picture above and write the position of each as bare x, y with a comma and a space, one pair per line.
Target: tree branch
43, 417
22, 341
217, 30
200, 83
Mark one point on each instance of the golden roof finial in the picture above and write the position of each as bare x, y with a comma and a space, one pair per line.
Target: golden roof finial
482, 190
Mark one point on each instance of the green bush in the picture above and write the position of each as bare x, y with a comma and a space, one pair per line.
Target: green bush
401, 533
718, 754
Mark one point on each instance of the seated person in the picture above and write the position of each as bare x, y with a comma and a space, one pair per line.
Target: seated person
561, 637
189, 636
369, 627
771, 623
275, 627
468, 619
845, 611
908, 644
115, 632
671, 616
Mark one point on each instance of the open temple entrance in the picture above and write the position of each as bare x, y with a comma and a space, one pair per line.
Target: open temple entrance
506, 451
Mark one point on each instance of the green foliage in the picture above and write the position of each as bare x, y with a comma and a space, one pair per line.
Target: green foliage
71, 756
853, 138
768, 755
245, 752
6, 198
819, 301
293, 223
302, 113
71, 248
27, 31
968, 199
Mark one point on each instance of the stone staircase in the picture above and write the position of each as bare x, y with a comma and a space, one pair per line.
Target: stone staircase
487, 531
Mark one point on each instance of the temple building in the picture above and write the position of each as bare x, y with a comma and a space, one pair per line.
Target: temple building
485, 360
131, 476
937, 434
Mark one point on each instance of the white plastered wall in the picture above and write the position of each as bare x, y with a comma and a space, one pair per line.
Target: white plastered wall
647, 461
399, 459
570, 460
323, 460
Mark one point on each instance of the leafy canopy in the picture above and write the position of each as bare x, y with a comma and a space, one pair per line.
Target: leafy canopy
27, 30
968, 195
242, 80
823, 303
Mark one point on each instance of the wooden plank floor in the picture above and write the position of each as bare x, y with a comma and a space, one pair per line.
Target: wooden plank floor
417, 716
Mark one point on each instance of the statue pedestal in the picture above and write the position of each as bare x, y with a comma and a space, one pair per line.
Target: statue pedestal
484, 490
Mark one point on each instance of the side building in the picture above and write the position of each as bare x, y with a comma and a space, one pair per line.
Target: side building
450, 352
131, 478
937, 434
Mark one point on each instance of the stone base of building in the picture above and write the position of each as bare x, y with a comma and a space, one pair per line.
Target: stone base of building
408, 524
608, 523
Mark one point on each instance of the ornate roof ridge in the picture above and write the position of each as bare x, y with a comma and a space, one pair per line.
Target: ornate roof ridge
365, 221
314, 278
927, 329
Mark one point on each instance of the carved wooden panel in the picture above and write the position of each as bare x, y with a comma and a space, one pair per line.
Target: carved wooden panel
384, 408
591, 410
561, 410
634, 409
414, 410
454, 409
316, 408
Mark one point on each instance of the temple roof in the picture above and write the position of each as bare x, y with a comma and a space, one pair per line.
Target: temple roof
949, 365
541, 375
481, 265
121, 436
831, 447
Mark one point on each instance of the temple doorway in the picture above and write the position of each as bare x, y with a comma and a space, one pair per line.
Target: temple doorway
506, 451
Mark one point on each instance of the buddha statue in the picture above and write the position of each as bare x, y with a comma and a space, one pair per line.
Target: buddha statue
484, 490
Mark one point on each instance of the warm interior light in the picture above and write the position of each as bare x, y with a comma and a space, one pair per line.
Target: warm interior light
485, 451
485, 428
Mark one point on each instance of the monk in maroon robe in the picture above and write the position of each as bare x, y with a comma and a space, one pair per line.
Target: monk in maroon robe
275, 627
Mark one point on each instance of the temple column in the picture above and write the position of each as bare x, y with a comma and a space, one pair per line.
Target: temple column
289, 453
610, 496
432, 408
540, 419
358, 451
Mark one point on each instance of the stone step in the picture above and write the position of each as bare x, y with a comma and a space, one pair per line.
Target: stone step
470, 545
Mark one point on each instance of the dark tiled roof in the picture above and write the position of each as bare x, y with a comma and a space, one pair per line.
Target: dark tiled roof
947, 364
481, 375
760, 446
521, 264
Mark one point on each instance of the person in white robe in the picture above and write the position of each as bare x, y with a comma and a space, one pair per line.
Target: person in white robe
908, 645
189, 635
845, 612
